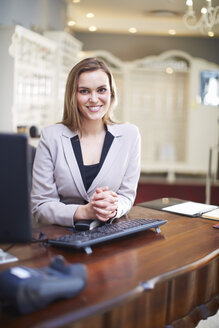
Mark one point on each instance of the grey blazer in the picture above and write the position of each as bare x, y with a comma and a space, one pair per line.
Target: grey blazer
57, 185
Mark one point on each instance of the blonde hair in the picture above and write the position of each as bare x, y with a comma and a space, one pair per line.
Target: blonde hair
71, 115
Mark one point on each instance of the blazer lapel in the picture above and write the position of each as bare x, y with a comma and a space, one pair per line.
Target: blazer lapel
72, 162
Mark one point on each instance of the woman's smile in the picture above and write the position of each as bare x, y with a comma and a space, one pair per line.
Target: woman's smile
94, 108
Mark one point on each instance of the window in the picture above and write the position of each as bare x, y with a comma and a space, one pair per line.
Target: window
209, 88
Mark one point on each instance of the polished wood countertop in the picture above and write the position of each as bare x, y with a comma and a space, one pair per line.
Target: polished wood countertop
145, 280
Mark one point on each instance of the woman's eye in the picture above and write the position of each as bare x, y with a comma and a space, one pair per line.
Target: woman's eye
102, 90
83, 91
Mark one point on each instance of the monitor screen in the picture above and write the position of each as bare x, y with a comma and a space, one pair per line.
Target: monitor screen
15, 219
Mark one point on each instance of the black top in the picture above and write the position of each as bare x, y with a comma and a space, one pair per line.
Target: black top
89, 172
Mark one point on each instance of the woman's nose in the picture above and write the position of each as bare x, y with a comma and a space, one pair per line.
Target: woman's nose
93, 97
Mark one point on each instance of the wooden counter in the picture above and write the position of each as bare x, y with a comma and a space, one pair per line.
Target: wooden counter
148, 280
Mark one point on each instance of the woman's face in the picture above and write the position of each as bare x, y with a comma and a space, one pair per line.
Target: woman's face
93, 95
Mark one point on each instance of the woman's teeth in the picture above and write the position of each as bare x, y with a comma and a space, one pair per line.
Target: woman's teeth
94, 108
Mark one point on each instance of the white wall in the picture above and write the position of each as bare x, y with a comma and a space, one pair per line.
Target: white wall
38, 14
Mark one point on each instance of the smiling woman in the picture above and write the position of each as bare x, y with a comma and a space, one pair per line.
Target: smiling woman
87, 166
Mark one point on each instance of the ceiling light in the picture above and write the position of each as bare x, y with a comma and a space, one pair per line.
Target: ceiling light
172, 32
204, 10
71, 23
76, 1
209, 17
90, 15
211, 34
169, 70
132, 30
189, 3
92, 28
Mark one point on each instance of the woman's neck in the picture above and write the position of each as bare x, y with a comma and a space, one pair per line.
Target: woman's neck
92, 141
92, 128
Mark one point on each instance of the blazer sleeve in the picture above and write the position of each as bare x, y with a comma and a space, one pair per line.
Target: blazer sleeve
128, 188
45, 200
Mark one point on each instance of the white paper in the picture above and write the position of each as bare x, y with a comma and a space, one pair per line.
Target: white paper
6, 257
190, 208
212, 214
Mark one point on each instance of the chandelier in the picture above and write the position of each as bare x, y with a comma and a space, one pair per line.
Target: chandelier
209, 18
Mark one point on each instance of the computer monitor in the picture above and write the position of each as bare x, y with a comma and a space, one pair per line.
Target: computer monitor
15, 218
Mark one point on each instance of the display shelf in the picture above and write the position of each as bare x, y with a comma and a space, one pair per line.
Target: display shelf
41, 66
34, 61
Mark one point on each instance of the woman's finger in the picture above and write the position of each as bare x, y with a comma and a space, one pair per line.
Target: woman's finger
105, 211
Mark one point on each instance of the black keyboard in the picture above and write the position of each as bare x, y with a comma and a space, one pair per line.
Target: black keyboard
87, 238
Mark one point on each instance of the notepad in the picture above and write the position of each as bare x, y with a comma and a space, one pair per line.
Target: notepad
213, 215
191, 208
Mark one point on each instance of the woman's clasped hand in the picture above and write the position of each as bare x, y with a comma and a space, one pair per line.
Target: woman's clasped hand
105, 203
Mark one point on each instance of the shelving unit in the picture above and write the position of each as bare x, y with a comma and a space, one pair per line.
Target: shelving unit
34, 78
41, 65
